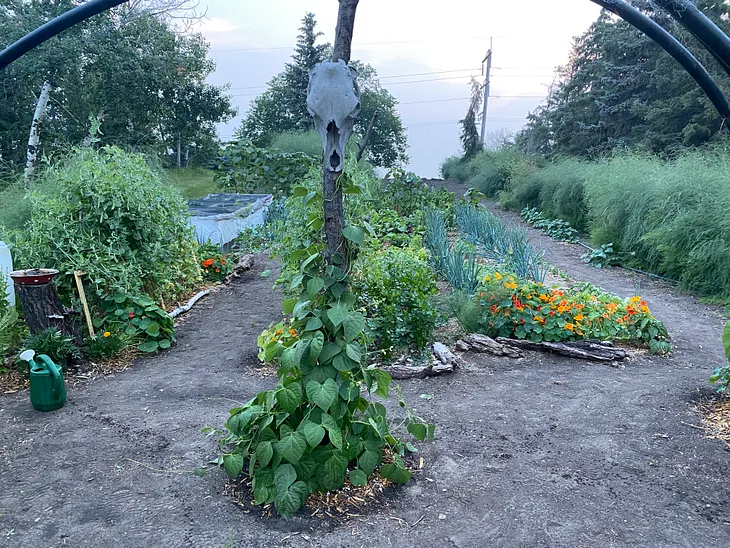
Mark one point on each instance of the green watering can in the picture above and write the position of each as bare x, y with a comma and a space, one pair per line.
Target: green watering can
47, 387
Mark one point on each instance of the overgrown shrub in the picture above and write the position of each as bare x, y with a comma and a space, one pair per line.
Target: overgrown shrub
304, 142
107, 213
395, 286
54, 344
148, 326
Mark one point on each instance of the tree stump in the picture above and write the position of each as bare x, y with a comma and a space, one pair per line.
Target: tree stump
42, 308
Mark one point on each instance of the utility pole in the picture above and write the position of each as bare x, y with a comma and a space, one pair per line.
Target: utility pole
488, 60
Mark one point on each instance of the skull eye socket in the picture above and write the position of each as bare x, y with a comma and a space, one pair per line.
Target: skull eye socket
357, 107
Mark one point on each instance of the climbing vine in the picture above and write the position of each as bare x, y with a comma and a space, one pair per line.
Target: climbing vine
317, 428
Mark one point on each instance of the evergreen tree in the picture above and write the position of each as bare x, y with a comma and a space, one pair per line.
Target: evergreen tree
470, 141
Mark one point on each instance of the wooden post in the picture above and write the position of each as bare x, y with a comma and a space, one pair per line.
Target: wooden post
84, 302
332, 192
366, 140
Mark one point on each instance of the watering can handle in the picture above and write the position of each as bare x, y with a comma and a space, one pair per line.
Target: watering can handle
58, 379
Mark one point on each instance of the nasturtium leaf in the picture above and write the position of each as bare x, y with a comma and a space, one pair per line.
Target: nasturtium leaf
233, 464
287, 502
338, 314
368, 461
264, 452
149, 346
290, 397
395, 473
313, 432
144, 324
336, 467
314, 286
316, 345
164, 344
418, 430
322, 395
358, 478
292, 446
284, 476
313, 324
355, 234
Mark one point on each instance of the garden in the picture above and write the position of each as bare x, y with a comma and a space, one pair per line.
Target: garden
508, 356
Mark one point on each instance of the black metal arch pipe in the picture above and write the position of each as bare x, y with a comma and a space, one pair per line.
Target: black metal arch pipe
673, 47
707, 33
54, 27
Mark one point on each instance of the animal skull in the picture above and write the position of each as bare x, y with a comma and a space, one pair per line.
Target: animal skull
333, 98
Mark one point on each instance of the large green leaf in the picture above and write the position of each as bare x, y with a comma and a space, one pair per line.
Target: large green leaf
290, 397
333, 430
338, 314
418, 430
355, 234
354, 326
233, 464
336, 467
264, 452
292, 446
322, 395
284, 476
313, 432
726, 340
358, 478
329, 351
395, 473
368, 461
314, 286
287, 502
149, 346
316, 345
313, 324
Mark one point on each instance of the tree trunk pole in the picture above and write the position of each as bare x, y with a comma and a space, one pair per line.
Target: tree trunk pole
179, 150
333, 206
35, 134
368, 133
43, 309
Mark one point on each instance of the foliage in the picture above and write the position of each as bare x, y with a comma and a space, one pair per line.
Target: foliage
497, 242
527, 310
407, 194
193, 182
620, 90
108, 344
215, 264
54, 344
282, 107
149, 98
470, 141
557, 229
305, 142
11, 332
304, 435
274, 340
721, 375
109, 214
148, 327
601, 257
246, 168
395, 287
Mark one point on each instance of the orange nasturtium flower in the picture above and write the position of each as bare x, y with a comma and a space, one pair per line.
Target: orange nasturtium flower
579, 318
107, 334
208, 263
569, 326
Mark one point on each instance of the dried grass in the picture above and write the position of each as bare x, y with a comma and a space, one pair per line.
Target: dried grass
716, 419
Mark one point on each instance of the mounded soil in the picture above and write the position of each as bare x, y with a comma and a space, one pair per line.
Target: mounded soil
542, 451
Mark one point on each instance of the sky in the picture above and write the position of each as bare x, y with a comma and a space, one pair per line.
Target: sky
425, 56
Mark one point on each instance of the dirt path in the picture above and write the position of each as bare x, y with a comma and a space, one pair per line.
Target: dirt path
536, 452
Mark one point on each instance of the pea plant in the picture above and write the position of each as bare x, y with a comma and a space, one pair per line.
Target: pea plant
319, 427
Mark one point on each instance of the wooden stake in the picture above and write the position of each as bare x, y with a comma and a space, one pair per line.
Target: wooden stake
84, 302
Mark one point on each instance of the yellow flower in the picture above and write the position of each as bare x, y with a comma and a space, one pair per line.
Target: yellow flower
579, 318
497, 276
635, 299
107, 334
569, 326
511, 285
487, 278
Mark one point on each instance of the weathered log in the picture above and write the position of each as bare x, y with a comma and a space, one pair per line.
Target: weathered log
586, 350
244, 263
402, 372
42, 308
442, 353
482, 344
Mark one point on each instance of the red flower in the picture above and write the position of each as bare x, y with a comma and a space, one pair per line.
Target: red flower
131, 315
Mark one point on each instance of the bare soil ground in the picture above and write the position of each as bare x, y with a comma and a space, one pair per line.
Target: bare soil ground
543, 451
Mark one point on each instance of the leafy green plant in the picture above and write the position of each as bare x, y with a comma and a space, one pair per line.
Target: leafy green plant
215, 264
109, 214
244, 167
12, 332
54, 344
601, 257
721, 375
107, 344
314, 431
395, 287
137, 316
557, 229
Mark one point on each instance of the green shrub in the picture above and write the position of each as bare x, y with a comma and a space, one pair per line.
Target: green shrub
107, 213
54, 344
137, 316
108, 344
395, 286
15, 208
11, 332
306, 142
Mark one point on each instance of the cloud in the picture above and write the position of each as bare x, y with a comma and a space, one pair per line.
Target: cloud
215, 25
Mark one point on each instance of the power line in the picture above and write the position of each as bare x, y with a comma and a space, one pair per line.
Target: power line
426, 73
353, 45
